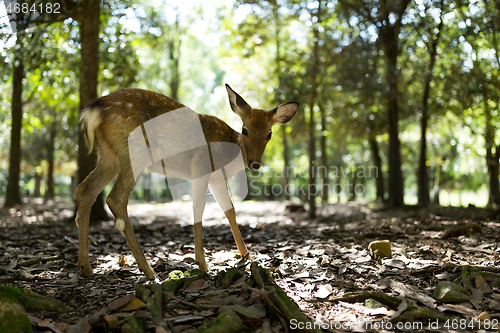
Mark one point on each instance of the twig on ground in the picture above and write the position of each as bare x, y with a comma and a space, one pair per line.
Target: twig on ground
29, 262
193, 305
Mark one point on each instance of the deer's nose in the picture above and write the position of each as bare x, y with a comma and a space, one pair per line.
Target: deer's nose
254, 166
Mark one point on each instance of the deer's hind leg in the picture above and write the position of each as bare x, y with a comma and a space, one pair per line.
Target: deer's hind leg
106, 169
117, 201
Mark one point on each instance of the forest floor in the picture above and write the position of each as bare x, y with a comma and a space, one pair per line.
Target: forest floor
319, 263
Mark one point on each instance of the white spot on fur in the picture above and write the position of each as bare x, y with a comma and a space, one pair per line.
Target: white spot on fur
129, 105
117, 103
90, 119
120, 224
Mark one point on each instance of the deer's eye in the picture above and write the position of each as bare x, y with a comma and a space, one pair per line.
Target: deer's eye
269, 135
244, 132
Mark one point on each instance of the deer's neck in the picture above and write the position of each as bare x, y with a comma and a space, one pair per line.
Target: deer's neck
216, 130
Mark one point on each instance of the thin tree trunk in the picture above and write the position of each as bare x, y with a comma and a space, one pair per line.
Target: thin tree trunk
353, 190
13, 195
174, 82
423, 175
286, 163
174, 47
311, 193
493, 173
377, 162
38, 183
284, 136
270, 194
492, 157
338, 188
312, 189
396, 193
49, 193
146, 178
437, 185
89, 67
73, 185
325, 182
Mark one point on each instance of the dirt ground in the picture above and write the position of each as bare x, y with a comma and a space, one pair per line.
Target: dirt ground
316, 262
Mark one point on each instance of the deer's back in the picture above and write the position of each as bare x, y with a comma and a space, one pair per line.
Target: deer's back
129, 122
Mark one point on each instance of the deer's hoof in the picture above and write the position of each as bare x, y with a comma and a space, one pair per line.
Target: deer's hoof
150, 275
203, 267
86, 270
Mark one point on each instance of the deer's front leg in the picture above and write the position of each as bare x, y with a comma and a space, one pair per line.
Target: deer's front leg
221, 193
199, 190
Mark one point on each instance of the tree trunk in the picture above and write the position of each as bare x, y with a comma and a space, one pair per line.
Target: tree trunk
377, 161
13, 196
286, 163
493, 173
38, 183
423, 175
73, 185
353, 190
312, 189
89, 67
311, 193
284, 136
390, 41
437, 185
146, 178
270, 194
338, 188
174, 82
492, 153
492, 158
174, 48
493, 169
325, 182
49, 193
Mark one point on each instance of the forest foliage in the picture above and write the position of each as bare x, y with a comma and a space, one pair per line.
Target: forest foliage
400, 98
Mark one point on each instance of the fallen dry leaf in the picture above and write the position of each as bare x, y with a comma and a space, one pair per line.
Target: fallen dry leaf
131, 306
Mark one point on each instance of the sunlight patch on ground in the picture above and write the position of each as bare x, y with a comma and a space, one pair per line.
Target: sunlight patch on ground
221, 260
111, 262
247, 212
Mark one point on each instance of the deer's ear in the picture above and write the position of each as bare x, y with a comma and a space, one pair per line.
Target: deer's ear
238, 104
283, 113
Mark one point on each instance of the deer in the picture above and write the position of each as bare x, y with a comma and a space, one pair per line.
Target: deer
111, 125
